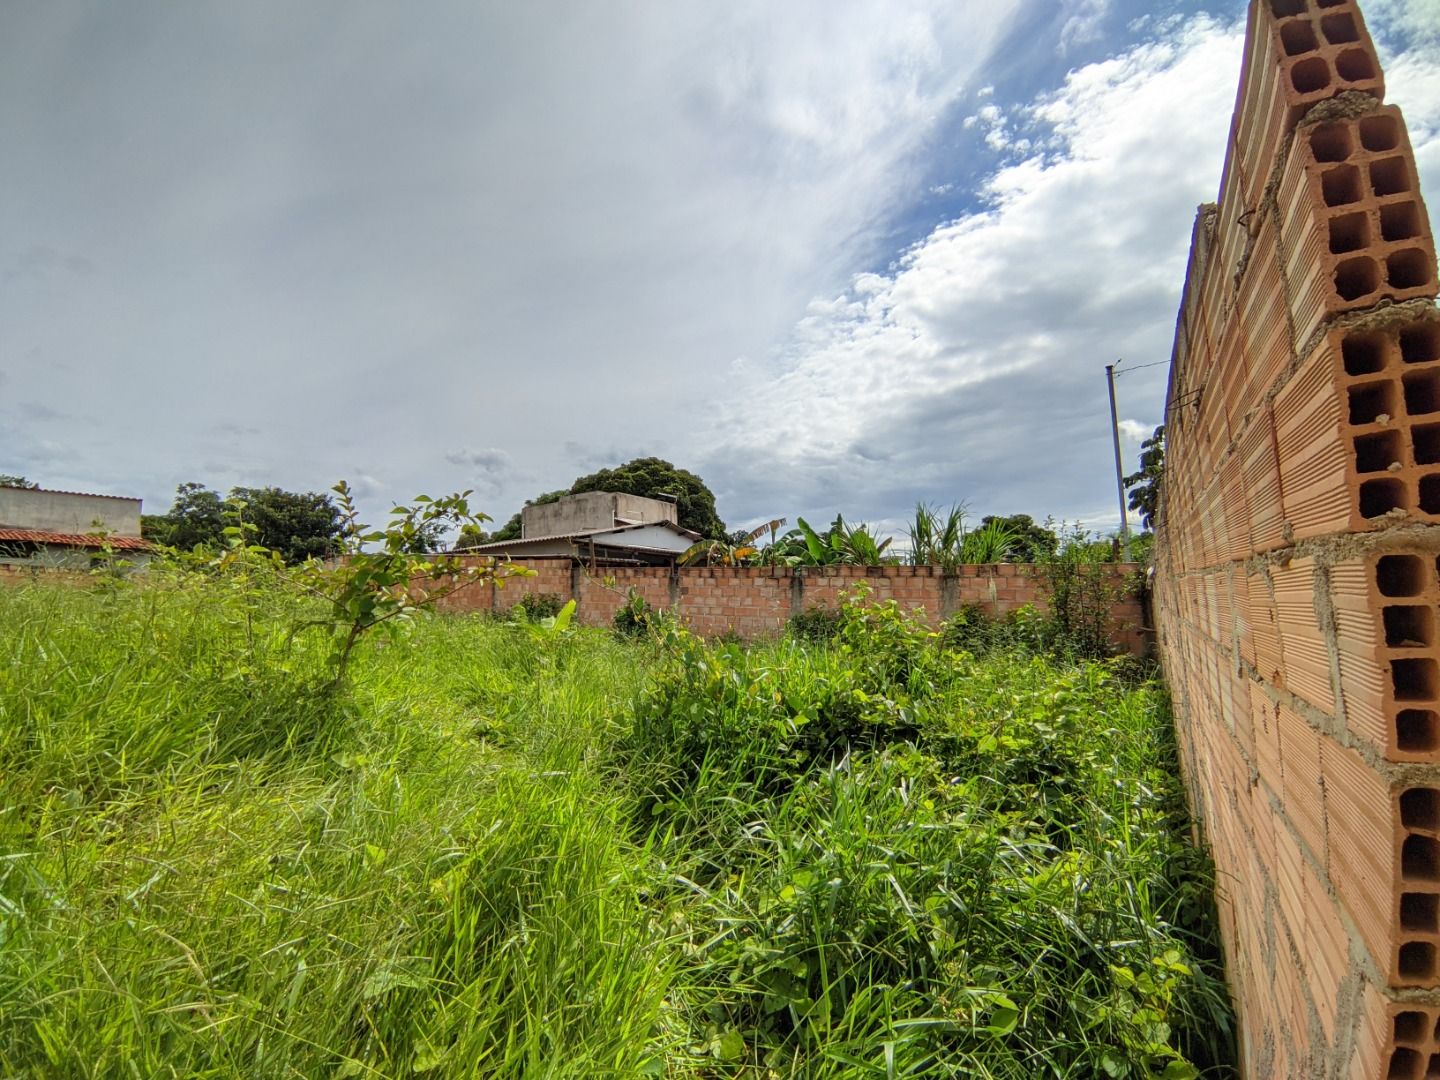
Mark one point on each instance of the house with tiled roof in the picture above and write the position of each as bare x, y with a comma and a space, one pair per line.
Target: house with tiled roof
67, 529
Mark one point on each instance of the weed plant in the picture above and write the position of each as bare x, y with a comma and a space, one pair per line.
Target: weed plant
516, 850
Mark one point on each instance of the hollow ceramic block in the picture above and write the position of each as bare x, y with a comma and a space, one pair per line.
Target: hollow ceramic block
1353, 226
1298, 54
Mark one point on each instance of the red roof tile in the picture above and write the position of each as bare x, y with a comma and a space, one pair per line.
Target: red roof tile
119, 543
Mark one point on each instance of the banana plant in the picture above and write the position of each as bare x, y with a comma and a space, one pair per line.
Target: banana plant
727, 553
840, 545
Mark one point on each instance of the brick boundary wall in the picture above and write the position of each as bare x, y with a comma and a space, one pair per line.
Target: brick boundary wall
22, 575
1297, 578
757, 601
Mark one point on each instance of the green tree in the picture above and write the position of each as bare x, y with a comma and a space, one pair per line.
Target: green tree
195, 519
472, 536
299, 525
11, 481
1144, 486
385, 575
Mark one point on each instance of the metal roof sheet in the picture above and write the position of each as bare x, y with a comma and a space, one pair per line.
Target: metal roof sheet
87, 494
588, 534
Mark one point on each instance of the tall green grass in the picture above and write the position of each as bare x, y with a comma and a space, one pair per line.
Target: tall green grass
506, 853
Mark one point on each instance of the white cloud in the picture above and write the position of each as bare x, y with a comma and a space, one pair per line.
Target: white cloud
1135, 431
1417, 18
976, 372
1083, 19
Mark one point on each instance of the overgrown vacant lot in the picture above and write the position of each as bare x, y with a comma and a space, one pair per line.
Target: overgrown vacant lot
510, 851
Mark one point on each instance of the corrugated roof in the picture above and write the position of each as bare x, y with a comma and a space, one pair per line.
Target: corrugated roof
87, 494
588, 534
38, 536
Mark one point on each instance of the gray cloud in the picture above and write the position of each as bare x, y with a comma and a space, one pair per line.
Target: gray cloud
39, 261
38, 411
487, 470
274, 244
491, 460
357, 229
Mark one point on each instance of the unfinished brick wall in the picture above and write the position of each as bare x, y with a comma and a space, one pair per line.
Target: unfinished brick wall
1298, 558
757, 601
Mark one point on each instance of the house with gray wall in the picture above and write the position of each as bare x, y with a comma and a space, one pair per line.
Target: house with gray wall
67, 529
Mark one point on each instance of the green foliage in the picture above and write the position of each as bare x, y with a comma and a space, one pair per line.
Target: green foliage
196, 519
298, 525
936, 542
992, 542
949, 542
815, 624
1142, 547
377, 586
1082, 588
1144, 486
635, 617
885, 864
530, 850
840, 545
12, 481
536, 606
471, 536
738, 549
1031, 543
440, 881
302, 525
974, 630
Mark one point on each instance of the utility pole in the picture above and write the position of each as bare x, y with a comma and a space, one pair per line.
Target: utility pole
1119, 468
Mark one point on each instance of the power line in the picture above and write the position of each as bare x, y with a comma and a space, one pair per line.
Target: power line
1138, 367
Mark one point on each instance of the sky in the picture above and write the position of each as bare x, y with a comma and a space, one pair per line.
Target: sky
832, 258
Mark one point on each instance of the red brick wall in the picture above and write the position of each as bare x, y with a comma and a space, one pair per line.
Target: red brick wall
756, 601
1297, 589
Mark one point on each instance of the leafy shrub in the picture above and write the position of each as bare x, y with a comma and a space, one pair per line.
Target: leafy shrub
815, 623
970, 629
537, 606
1083, 589
636, 617
974, 630
892, 647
